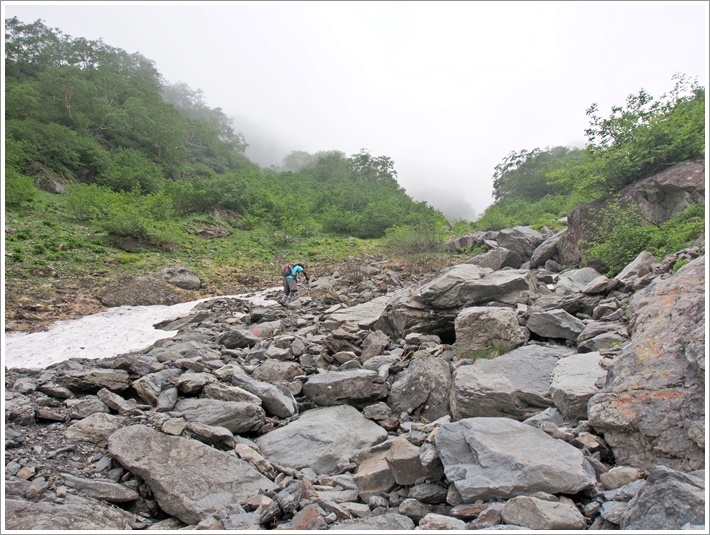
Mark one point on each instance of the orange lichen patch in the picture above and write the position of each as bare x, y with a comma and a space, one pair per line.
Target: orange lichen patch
647, 349
649, 396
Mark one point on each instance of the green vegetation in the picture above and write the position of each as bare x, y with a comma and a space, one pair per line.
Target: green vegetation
152, 175
82, 112
646, 136
624, 233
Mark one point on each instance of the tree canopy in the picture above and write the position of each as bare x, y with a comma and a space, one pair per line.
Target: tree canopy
89, 113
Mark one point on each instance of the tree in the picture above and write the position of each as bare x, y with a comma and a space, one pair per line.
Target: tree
646, 136
373, 169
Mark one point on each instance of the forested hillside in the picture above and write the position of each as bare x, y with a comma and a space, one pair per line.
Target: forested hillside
105, 122
149, 174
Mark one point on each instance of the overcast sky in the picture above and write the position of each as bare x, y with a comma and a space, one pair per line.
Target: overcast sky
445, 89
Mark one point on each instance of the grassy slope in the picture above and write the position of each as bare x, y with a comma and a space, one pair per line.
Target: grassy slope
54, 264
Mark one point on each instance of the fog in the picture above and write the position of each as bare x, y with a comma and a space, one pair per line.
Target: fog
445, 89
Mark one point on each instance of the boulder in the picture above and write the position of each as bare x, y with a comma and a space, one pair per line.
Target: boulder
514, 385
422, 389
188, 479
323, 439
492, 458
660, 372
575, 380
480, 329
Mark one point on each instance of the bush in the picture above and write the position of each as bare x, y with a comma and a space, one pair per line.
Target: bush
623, 234
18, 188
88, 201
418, 238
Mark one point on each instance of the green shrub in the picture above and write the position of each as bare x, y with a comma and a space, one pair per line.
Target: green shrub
19, 188
623, 233
414, 239
88, 201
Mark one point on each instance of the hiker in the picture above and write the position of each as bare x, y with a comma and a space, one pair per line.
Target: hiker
290, 274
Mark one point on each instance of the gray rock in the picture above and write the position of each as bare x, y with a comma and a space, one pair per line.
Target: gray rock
490, 458
76, 514
101, 489
422, 388
539, 514
236, 416
189, 480
322, 439
660, 372
479, 329
575, 280
496, 259
555, 324
275, 399
345, 387
96, 428
669, 500
384, 522
363, 315
574, 382
516, 384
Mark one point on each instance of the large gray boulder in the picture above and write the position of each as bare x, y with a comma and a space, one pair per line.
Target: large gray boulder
514, 385
76, 514
188, 479
432, 307
521, 240
422, 389
238, 417
556, 323
660, 372
494, 458
354, 387
479, 329
496, 259
322, 439
363, 315
469, 285
276, 399
668, 501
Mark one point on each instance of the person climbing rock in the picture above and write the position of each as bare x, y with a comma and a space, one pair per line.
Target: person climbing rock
290, 274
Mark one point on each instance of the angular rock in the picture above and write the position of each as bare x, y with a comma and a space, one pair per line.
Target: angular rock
660, 372
374, 476
516, 384
189, 480
496, 259
101, 489
236, 416
93, 380
384, 522
345, 387
440, 522
96, 428
275, 399
422, 388
574, 381
668, 501
538, 514
575, 280
490, 458
322, 439
479, 329
75, 515
555, 324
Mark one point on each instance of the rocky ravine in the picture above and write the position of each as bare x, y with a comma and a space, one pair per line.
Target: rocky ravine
487, 397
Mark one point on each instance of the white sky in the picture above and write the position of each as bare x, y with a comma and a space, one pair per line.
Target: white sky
446, 89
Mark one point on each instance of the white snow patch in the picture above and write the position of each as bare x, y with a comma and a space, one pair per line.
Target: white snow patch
109, 333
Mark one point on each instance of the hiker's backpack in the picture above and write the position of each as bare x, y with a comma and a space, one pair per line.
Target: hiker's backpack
286, 270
